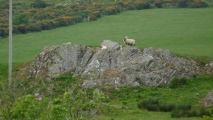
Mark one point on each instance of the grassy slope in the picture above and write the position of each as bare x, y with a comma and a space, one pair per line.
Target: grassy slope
183, 31
187, 94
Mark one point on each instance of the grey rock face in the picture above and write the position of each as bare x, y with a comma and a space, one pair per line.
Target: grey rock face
114, 66
56, 60
208, 100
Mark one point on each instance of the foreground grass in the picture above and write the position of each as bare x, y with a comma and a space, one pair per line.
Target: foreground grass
183, 31
144, 115
123, 102
127, 98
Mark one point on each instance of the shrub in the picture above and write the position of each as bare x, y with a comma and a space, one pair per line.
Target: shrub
82, 7
92, 17
151, 104
181, 110
97, 14
152, 107
4, 4
185, 110
73, 105
48, 24
206, 111
197, 4
62, 21
178, 82
129, 5
25, 108
177, 113
142, 5
143, 104
22, 28
184, 106
166, 107
110, 10
74, 6
52, 24
192, 113
3, 32
39, 16
21, 19
77, 19
182, 3
209, 115
158, 4
31, 11
15, 29
98, 4
39, 4
35, 27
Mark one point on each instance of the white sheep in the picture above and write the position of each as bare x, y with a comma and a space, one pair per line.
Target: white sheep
129, 41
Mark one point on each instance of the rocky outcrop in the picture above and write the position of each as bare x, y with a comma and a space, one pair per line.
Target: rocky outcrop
208, 100
114, 66
56, 60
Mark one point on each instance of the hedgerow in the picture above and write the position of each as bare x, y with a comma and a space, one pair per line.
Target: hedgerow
43, 15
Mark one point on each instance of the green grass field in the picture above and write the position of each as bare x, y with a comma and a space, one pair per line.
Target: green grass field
183, 31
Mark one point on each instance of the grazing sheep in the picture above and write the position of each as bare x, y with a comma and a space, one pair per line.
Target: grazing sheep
129, 41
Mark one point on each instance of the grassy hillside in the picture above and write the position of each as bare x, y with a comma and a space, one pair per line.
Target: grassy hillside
183, 31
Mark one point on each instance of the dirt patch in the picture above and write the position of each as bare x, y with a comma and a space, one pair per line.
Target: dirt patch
112, 73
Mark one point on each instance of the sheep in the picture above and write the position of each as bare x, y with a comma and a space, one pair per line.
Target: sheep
129, 41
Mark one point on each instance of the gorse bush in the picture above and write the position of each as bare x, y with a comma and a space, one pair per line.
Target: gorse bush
186, 110
39, 4
23, 18
191, 4
66, 100
206, 112
181, 110
178, 83
166, 107
177, 110
25, 107
158, 4
209, 115
153, 104
73, 105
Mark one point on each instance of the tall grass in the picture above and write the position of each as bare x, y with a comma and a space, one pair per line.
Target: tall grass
183, 31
